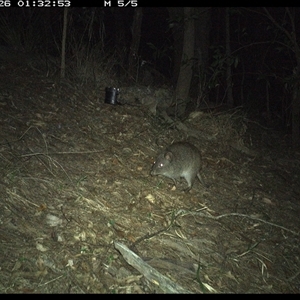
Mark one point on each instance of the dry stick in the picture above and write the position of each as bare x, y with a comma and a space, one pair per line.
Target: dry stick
167, 285
66, 152
150, 235
41, 153
47, 152
22, 199
23, 134
55, 161
236, 214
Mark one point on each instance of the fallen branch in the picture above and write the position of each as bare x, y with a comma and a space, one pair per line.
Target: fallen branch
167, 285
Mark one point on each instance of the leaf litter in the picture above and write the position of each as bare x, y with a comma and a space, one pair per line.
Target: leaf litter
79, 212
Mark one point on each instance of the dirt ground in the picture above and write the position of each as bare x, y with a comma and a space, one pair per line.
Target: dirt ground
75, 189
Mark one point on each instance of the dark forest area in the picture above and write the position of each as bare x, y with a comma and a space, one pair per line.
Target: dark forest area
149, 149
238, 57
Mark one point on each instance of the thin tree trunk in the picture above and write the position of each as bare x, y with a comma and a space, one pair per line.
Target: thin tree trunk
202, 43
228, 60
186, 69
133, 60
63, 45
296, 115
176, 13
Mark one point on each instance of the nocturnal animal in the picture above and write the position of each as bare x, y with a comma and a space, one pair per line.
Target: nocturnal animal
180, 159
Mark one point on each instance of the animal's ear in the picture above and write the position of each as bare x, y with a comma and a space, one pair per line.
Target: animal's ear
168, 156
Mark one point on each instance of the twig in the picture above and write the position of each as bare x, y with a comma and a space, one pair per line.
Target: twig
51, 280
150, 235
53, 153
236, 214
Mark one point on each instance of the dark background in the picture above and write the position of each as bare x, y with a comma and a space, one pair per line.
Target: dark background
264, 61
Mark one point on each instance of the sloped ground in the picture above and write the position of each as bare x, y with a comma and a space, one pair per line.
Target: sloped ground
75, 180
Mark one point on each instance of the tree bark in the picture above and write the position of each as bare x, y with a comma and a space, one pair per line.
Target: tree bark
120, 36
176, 25
186, 68
133, 60
202, 43
63, 45
228, 60
296, 116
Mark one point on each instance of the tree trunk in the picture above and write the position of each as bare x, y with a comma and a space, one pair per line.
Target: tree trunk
202, 43
186, 68
296, 115
63, 45
228, 60
133, 60
176, 25
120, 36
202, 33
